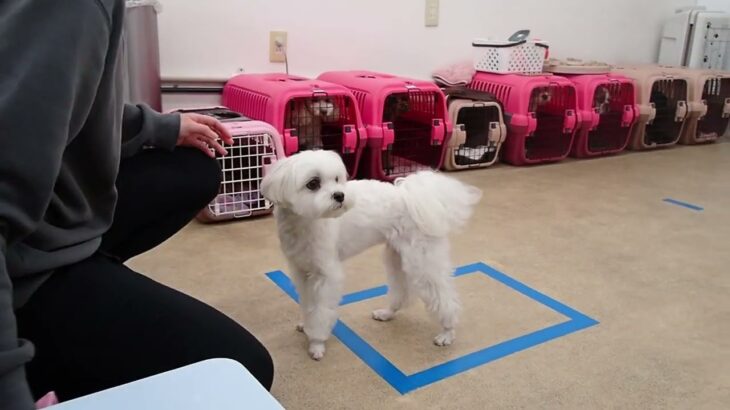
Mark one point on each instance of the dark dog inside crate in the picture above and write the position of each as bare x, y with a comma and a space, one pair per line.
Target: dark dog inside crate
242, 172
412, 115
609, 100
665, 94
549, 139
319, 121
477, 149
716, 92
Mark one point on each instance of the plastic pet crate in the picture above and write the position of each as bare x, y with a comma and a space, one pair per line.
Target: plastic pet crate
406, 121
662, 100
478, 129
256, 146
309, 114
708, 102
606, 106
541, 113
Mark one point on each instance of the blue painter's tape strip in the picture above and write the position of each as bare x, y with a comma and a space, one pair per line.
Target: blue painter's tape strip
406, 383
380, 365
531, 293
684, 204
364, 295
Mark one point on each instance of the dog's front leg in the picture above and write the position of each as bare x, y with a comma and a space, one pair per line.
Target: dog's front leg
324, 294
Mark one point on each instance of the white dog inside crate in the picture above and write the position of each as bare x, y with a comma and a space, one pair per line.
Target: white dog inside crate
323, 219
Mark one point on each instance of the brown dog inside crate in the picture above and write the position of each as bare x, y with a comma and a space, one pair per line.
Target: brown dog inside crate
319, 121
411, 115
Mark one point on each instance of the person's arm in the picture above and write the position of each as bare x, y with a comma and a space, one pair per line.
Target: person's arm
143, 127
53, 54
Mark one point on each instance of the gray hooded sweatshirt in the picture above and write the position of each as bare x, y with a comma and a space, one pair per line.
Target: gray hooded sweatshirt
63, 130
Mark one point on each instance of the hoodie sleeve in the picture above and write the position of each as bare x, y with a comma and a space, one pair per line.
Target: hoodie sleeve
145, 127
53, 56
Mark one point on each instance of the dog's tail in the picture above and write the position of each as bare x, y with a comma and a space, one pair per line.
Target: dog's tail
438, 204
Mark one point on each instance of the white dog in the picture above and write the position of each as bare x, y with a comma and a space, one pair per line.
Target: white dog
323, 220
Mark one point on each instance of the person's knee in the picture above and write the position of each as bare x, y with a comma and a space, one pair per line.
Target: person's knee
204, 176
247, 350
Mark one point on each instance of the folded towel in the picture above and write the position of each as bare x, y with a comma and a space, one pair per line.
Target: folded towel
460, 73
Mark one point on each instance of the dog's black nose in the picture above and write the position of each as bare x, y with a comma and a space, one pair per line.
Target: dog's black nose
339, 197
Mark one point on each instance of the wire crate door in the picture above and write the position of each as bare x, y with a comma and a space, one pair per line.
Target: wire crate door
243, 169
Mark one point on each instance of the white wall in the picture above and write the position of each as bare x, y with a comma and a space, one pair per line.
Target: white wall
213, 38
715, 5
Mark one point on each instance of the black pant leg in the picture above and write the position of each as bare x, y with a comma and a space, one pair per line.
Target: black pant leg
98, 324
159, 193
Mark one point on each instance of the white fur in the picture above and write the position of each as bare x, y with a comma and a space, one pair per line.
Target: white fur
412, 217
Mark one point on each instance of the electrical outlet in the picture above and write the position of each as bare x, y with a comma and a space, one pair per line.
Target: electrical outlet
432, 13
277, 46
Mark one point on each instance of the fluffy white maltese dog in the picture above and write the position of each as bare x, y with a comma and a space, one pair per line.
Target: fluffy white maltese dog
324, 219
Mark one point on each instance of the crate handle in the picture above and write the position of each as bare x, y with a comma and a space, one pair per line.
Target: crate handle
291, 141
531, 123
681, 112
388, 136
651, 113
702, 108
437, 131
458, 135
497, 132
349, 139
595, 116
628, 116
569, 122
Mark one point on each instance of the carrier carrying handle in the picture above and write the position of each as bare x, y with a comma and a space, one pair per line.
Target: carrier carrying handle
291, 141
349, 139
681, 112
628, 116
437, 131
569, 121
388, 136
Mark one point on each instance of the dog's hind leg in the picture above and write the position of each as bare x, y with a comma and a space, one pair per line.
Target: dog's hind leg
429, 271
397, 286
320, 316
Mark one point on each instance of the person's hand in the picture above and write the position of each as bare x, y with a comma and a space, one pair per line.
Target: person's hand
203, 132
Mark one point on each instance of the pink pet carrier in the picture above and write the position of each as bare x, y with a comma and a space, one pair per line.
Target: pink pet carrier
407, 122
256, 146
310, 114
541, 112
606, 106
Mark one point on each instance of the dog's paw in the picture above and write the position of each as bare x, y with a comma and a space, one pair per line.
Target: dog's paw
300, 327
444, 338
383, 315
316, 350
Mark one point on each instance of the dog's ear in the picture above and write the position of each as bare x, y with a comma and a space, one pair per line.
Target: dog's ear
277, 181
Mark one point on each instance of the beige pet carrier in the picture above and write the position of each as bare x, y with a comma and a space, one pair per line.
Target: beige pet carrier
661, 96
709, 104
479, 129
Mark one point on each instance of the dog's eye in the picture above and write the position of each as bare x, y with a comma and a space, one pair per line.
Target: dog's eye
313, 184
337, 179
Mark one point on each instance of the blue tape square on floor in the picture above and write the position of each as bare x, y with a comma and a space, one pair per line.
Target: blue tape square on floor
404, 383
